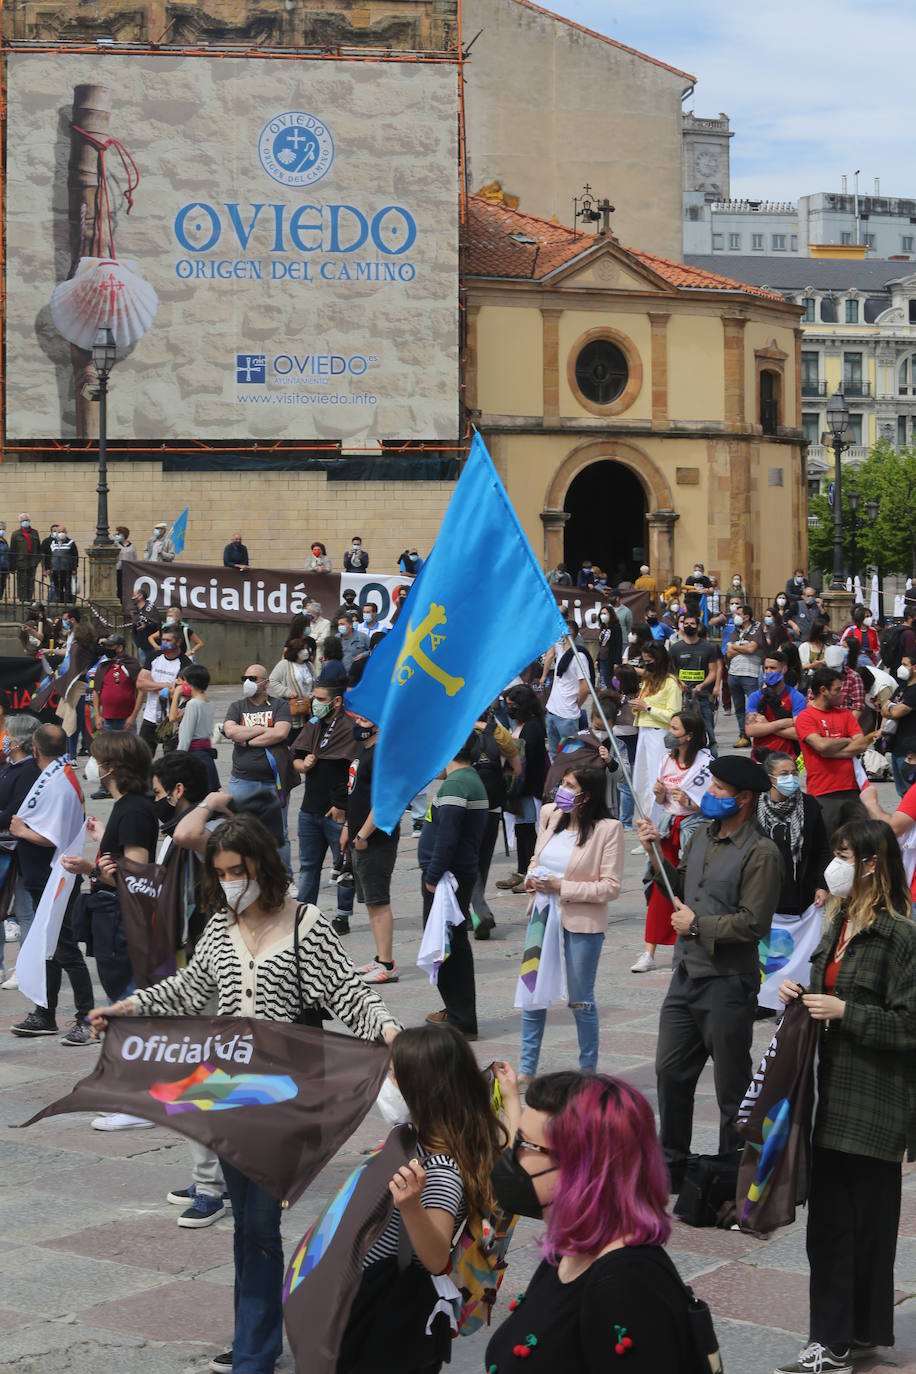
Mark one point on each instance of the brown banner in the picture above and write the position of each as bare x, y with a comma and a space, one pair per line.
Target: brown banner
206, 591
276, 1100
588, 605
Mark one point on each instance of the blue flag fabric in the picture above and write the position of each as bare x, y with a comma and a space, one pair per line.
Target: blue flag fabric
479, 612
179, 531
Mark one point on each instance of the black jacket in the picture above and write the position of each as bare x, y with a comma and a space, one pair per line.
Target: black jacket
798, 889
236, 556
16, 783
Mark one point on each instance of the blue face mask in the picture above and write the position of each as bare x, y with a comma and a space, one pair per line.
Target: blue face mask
717, 808
788, 784
772, 679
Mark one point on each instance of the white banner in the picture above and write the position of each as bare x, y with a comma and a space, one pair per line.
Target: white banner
294, 227
436, 944
40, 943
787, 953
382, 588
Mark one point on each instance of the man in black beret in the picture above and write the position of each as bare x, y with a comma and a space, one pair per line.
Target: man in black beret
726, 889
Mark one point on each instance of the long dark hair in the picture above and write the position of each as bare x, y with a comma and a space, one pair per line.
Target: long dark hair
449, 1101
245, 835
697, 737
592, 806
657, 666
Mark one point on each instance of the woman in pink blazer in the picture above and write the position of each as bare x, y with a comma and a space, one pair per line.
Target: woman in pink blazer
579, 859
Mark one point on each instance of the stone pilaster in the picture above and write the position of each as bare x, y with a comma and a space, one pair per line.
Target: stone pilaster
661, 544
735, 411
551, 366
659, 344
554, 522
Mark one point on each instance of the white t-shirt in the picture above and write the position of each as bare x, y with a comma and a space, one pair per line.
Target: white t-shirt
564, 694
163, 670
557, 852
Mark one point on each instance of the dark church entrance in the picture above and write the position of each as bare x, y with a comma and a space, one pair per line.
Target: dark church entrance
607, 509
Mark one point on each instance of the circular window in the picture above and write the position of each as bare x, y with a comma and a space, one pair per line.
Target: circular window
601, 372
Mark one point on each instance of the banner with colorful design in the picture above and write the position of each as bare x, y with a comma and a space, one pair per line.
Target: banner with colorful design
324, 1273
542, 980
275, 1100
787, 953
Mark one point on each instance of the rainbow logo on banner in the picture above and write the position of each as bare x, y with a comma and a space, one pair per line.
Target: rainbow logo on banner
776, 952
775, 1139
314, 1244
212, 1090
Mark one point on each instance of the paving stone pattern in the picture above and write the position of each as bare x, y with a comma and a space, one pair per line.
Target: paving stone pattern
96, 1275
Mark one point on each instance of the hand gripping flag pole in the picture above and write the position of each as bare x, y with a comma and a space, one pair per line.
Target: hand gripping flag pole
628, 778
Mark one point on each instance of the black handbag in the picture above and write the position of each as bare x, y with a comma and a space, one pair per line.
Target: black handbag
704, 1343
710, 1182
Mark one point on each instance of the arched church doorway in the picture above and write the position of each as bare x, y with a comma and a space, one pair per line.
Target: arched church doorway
607, 510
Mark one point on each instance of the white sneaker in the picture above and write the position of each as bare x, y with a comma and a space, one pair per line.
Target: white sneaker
11, 931
11, 982
638, 850
119, 1121
644, 964
378, 973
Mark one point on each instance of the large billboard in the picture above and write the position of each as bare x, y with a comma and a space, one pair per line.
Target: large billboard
297, 221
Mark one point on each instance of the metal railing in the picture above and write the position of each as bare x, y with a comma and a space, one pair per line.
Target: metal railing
856, 388
813, 386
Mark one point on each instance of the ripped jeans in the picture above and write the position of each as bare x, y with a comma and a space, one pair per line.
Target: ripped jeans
582, 952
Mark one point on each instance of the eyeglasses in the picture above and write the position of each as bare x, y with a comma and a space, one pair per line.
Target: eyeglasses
520, 1143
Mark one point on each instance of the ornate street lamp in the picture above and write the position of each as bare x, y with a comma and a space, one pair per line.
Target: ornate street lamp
852, 496
837, 417
104, 357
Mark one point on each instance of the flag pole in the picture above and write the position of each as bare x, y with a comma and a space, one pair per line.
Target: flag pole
624, 768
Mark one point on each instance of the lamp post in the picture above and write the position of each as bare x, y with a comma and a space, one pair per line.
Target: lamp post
852, 497
837, 416
871, 510
104, 357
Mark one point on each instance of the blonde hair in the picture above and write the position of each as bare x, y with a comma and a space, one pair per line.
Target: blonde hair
884, 889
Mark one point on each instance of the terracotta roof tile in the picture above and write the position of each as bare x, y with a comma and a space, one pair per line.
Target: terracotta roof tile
603, 38
508, 244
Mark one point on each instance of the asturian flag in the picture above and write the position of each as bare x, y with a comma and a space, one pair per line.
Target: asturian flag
479, 612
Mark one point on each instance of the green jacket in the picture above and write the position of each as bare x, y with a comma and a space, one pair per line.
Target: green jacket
867, 1072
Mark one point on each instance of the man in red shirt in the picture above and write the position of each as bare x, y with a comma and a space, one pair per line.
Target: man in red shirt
830, 739
115, 699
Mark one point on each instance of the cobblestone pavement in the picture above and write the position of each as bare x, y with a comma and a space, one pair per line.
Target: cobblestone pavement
96, 1276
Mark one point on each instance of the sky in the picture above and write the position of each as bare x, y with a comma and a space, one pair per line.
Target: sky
813, 89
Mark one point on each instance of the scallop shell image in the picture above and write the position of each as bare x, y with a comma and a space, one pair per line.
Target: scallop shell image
103, 291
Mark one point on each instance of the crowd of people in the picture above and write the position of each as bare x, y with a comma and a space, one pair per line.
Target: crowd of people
601, 735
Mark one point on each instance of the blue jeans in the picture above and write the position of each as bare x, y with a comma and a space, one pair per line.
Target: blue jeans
706, 707
741, 688
116, 724
558, 727
582, 954
243, 789
318, 834
80, 738
626, 806
902, 771
23, 914
258, 1337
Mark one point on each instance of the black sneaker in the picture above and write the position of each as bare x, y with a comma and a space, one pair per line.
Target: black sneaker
417, 827
101, 795
37, 1022
341, 924
483, 927
222, 1364
79, 1034
203, 1211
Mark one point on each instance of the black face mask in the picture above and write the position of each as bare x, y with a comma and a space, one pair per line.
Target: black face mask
361, 732
513, 1187
164, 810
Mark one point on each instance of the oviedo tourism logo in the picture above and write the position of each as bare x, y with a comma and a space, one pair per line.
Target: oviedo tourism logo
296, 148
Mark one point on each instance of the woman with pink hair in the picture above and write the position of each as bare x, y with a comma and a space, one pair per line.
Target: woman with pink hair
585, 1156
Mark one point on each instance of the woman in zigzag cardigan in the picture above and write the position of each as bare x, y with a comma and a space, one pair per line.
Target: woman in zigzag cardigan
249, 958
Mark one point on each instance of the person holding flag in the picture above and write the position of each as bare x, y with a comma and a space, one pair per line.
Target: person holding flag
159, 548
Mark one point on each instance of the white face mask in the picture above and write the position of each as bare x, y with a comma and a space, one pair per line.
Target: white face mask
302, 656
903, 673
391, 1105
839, 876
868, 622
91, 771
631, 638
240, 893
738, 620
249, 688
736, 581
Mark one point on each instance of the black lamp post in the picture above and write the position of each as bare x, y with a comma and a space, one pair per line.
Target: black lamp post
852, 497
104, 356
837, 416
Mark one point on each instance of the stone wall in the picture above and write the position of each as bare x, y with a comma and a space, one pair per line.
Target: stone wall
279, 513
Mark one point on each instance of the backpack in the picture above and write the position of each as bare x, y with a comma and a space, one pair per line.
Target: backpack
476, 1268
488, 763
892, 648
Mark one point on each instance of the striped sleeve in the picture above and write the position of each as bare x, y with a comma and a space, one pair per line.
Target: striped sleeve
329, 979
189, 990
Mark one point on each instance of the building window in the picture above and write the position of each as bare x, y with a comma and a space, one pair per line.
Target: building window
906, 377
601, 372
875, 306
854, 430
811, 426
808, 302
793, 243
814, 486
828, 310
845, 236
810, 382
757, 243
901, 431
734, 243
906, 243
769, 401
852, 312
718, 243
779, 243
912, 305
852, 374
869, 240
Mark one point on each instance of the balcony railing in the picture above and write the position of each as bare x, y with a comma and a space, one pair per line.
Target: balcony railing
821, 458
813, 386
856, 388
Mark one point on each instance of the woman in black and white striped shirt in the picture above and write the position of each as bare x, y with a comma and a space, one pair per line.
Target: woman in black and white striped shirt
247, 957
399, 1323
